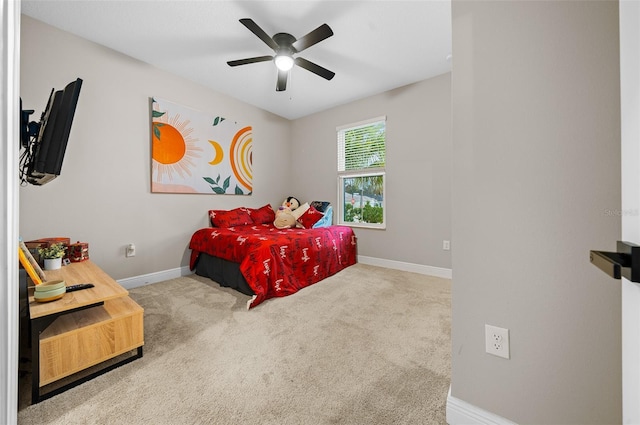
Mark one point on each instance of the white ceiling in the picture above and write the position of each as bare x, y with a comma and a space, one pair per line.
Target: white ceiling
376, 46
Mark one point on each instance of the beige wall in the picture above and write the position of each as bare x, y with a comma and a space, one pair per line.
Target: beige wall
103, 194
536, 185
418, 185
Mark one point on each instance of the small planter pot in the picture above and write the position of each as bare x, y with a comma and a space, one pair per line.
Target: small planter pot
52, 263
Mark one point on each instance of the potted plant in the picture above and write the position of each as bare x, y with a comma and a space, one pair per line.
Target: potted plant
52, 256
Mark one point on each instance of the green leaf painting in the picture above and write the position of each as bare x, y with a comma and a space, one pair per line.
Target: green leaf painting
156, 129
221, 190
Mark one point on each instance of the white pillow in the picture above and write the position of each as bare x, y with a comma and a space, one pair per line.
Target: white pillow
297, 213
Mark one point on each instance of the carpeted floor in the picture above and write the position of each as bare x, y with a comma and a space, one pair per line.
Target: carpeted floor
367, 346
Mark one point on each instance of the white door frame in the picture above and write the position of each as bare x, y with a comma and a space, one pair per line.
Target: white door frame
9, 148
630, 152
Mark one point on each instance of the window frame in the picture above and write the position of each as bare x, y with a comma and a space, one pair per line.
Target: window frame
361, 172
341, 193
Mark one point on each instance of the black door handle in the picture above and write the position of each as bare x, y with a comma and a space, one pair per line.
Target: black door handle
625, 262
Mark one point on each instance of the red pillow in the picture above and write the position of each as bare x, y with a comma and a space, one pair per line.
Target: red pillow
310, 217
224, 218
262, 215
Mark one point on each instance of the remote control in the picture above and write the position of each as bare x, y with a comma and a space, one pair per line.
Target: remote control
79, 286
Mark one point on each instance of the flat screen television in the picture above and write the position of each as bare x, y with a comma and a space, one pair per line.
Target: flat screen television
45, 142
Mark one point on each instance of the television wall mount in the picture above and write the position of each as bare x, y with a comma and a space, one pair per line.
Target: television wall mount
29, 130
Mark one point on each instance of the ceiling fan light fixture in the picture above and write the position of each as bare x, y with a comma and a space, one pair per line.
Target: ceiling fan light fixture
283, 62
285, 46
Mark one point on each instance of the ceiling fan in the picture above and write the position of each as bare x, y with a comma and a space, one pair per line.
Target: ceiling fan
285, 46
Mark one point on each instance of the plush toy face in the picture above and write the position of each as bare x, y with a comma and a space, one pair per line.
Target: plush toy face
291, 203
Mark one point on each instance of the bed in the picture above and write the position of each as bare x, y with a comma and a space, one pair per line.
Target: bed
243, 250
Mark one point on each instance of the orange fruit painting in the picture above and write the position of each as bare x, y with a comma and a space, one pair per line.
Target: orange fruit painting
168, 144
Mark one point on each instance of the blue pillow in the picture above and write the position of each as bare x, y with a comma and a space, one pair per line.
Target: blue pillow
326, 220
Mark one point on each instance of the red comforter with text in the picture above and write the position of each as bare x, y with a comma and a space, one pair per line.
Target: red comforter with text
278, 262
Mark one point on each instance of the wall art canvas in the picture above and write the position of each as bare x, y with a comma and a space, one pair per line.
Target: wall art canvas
198, 152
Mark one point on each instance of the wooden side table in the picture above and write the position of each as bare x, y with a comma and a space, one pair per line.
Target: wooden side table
82, 329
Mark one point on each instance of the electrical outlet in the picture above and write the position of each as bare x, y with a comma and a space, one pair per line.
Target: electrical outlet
446, 245
496, 341
131, 250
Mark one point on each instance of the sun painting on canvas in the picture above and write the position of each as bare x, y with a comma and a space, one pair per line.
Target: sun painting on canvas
173, 147
197, 152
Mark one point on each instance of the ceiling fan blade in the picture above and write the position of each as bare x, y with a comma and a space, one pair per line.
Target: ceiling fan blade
250, 60
316, 69
314, 37
282, 80
254, 28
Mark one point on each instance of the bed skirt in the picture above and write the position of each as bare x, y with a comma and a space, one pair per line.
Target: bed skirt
225, 273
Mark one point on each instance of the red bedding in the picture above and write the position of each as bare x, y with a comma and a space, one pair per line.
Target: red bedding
278, 262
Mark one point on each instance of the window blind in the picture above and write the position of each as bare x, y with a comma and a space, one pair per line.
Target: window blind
362, 146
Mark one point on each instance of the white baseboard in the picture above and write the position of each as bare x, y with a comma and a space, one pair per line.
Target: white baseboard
407, 267
462, 413
147, 279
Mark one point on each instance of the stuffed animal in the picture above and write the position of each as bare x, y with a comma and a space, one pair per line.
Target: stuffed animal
285, 219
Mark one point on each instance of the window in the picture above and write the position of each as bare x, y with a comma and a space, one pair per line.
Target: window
361, 174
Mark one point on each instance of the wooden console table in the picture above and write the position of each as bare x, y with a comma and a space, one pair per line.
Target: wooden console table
82, 329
